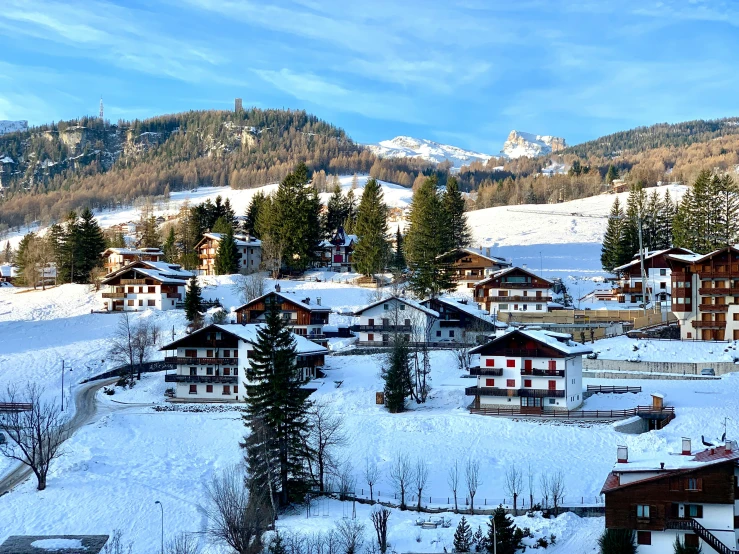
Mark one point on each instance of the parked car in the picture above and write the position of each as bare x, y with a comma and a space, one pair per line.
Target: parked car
708, 371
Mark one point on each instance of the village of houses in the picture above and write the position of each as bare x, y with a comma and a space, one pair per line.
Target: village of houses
627, 398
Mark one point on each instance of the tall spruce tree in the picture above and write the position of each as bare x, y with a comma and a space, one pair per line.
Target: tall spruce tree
150, 237
456, 230
92, 244
70, 251
252, 213
664, 221
610, 255
222, 226
635, 215
277, 405
502, 537
336, 211
169, 248
611, 174
227, 255
397, 375
728, 232
424, 242
398, 256
350, 206
193, 300
463, 536
371, 252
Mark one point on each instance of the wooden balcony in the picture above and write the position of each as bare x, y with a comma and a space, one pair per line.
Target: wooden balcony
718, 274
201, 361
176, 295
522, 352
718, 291
208, 379
529, 393
115, 295
544, 372
133, 281
492, 371
528, 299
634, 289
386, 328
709, 324
713, 307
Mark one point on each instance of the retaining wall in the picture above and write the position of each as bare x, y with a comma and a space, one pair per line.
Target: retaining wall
678, 368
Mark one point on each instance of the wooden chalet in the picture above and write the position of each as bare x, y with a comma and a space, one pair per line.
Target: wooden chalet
471, 265
115, 258
141, 285
459, 321
248, 248
514, 289
658, 273
686, 494
336, 252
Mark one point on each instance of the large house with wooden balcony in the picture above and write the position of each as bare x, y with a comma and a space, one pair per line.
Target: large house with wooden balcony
249, 253
115, 258
658, 273
336, 252
528, 372
470, 265
514, 290
381, 321
685, 494
141, 285
460, 321
705, 294
304, 317
212, 364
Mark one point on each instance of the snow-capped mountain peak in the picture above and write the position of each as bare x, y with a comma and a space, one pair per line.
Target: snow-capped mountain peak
521, 144
409, 147
12, 126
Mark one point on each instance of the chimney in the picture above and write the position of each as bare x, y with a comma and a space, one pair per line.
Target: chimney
307, 300
622, 455
318, 300
687, 447
277, 287
729, 446
487, 251
662, 465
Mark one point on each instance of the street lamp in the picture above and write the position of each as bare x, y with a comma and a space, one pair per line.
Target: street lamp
495, 536
162, 509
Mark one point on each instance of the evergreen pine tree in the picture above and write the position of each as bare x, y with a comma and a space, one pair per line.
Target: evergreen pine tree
371, 251
635, 212
664, 224
8, 253
336, 211
618, 541
610, 252
193, 300
728, 194
479, 540
150, 233
23, 257
278, 404
504, 535
612, 174
683, 233
463, 536
222, 226
424, 243
531, 197
91, 244
397, 375
252, 213
70, 251
399, 257
227, 256
171, 253
456, 230
350, 207
679, 547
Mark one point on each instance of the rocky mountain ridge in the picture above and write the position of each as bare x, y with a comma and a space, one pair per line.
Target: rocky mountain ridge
520, 144
435, 152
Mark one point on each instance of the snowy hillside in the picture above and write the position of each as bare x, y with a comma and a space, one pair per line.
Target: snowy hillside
409, 147
12, 126
521, 144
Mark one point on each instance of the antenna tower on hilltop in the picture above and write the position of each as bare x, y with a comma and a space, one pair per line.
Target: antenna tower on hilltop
101, 107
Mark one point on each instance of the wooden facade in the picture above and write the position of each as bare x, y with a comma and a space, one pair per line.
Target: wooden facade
513, 288
469, 267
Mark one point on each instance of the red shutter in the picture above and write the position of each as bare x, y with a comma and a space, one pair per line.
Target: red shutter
489, 382
552, 385
510, 363
528, 364
489, 362
510, 383
552, 365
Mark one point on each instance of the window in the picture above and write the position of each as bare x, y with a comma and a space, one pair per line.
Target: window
151, 290
643, 537
208, 353
407, 323
662, 272
694, 510
130, 290
510, 363
451, 333
370, 322
552, 385
227, 371
141, 302
236, 353
236, 371
150, 302
510, 383
642, 511
538, 306
489, 362
694, 484
402, 307
503, 307
528, 364
226, 389
209, 371
191, 353
674, 484
370, 337
208, 388
552, 401
527, 382
193, 371
489, 382
226, 353
552, 365
385, 307
236, 389
438, 333
193, 389
663, 285
130, 302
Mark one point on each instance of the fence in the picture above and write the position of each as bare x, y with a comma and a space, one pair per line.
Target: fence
612, 389
668, 411
146, 367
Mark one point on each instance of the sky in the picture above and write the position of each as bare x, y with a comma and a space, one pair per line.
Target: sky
463, 73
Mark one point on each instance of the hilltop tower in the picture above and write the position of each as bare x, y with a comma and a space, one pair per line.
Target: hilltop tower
101, 108
237, 105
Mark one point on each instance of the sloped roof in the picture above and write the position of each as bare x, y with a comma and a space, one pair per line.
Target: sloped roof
304, 303
477, 252
240, 240
506, 271
133, 251
412, 303
559, 341
469, 307
653, 254
161, 271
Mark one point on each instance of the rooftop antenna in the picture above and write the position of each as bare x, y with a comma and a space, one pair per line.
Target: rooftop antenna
101, 107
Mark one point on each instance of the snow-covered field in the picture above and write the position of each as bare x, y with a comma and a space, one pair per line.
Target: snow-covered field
624, 348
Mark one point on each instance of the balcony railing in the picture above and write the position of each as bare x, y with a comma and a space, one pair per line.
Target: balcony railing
713, 307
722, 291
208, 379
544, 372
118, 295
494, 371
529, 393
386, 328
181, 360
176, 295
709, 324
718, 274
531, 299
133, 281
634, 289
522, 352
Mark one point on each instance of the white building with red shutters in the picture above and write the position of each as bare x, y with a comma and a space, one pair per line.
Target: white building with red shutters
529, 371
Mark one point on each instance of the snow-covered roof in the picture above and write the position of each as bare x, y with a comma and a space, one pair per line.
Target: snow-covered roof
468, 307
479, 252
412, 303
240, 240
289, 296
7, 270
559, 341
171, 274
686, 257
506, 271
133, 251
248, 333
6, 160
653, 253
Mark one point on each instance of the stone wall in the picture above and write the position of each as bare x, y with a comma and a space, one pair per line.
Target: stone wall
678, 368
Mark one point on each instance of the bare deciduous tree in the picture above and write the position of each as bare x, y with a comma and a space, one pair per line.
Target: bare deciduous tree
420, 477
472, 478
250, 286
115, 544
36, 434
544, 486
346, 480
452, 479
351, 535
557, 489
235, 517
531, 486
133, 342
514, 485
146, 341
379, 519
326, 434
371, 475
183, 543
97, 274
400, 475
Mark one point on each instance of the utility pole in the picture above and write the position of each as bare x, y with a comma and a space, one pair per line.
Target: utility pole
162, 509
62, 385
641, 261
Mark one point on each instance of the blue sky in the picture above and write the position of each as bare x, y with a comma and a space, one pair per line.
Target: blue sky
464, 73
